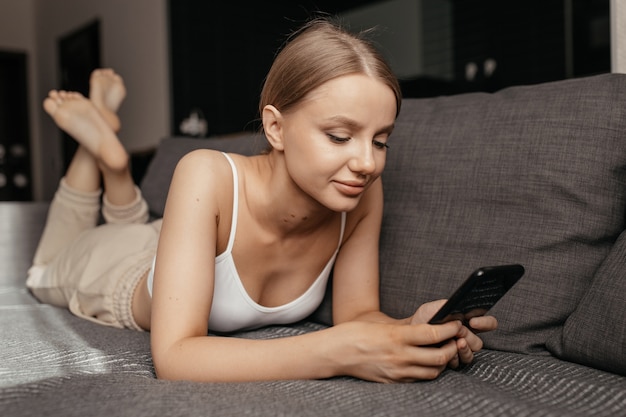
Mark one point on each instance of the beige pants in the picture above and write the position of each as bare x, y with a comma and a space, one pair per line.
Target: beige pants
93, 269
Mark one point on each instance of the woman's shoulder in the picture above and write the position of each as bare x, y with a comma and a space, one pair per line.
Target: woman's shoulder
202, 170
208, 163
213, 159
203, 158
214, 168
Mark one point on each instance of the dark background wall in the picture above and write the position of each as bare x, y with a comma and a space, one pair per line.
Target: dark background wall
222, 50
211, 57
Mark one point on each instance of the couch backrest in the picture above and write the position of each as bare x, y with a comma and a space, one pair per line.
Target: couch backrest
532, 174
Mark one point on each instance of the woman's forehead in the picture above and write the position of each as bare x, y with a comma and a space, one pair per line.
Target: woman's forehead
350, 101
352, 89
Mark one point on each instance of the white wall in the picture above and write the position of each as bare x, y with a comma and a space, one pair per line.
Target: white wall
134, 41
618, 36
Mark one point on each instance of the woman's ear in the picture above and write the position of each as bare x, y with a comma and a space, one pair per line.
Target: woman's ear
272, 126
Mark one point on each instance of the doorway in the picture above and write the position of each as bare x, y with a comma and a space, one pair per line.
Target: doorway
79, 55
15, 166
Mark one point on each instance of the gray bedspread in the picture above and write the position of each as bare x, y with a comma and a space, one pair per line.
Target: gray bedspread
52, 363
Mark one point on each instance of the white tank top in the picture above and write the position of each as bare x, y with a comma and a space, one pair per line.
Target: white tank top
233, 309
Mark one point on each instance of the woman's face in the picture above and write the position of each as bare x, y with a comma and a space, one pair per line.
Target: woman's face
335, 140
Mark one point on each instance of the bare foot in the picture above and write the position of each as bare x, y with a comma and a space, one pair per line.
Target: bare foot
80, 118
107, 91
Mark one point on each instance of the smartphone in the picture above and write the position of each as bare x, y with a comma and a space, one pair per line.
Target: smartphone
479, 293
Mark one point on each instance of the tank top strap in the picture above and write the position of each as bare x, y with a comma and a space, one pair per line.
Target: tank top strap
233, 222
343, 228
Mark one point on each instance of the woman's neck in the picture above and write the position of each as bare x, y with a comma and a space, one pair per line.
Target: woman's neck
279, 204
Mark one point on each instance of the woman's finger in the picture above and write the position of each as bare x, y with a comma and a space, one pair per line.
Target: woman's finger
465, 353
427, 334
483, 324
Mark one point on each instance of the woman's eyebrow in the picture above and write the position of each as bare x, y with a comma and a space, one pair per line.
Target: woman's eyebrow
387, 129
346, 121
343, 120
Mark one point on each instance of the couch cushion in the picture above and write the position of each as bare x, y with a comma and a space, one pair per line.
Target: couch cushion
531, 174
595, 334
156, 182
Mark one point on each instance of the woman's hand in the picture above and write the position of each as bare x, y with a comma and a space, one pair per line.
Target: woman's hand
385, 352
467, 340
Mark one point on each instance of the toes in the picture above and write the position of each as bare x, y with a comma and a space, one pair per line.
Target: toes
97, 72
56, 98
50, 105
68, 95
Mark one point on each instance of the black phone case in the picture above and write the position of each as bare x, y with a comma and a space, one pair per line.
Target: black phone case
479, 293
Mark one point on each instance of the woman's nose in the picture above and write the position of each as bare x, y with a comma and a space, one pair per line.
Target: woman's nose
362, 162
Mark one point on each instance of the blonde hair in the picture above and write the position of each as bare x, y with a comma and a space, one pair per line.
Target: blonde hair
318, 52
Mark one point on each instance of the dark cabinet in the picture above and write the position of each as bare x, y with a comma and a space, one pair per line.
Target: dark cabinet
221, 51
503, 43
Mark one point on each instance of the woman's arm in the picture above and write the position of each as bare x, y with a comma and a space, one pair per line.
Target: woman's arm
182, 295
356, 270
356, 279
375, 352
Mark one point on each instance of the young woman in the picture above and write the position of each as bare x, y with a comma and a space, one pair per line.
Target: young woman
249, 241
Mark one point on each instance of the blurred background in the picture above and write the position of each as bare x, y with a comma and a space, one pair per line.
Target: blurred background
196, 67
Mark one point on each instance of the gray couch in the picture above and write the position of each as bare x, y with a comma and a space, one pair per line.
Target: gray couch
533, 175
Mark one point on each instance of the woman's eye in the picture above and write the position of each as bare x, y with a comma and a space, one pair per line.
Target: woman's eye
337, 139
380, 145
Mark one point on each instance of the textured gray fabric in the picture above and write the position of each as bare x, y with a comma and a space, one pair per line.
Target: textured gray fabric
595, 334
532, 175
53, 363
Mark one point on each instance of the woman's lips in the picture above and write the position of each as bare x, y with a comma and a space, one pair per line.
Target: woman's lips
350, 188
